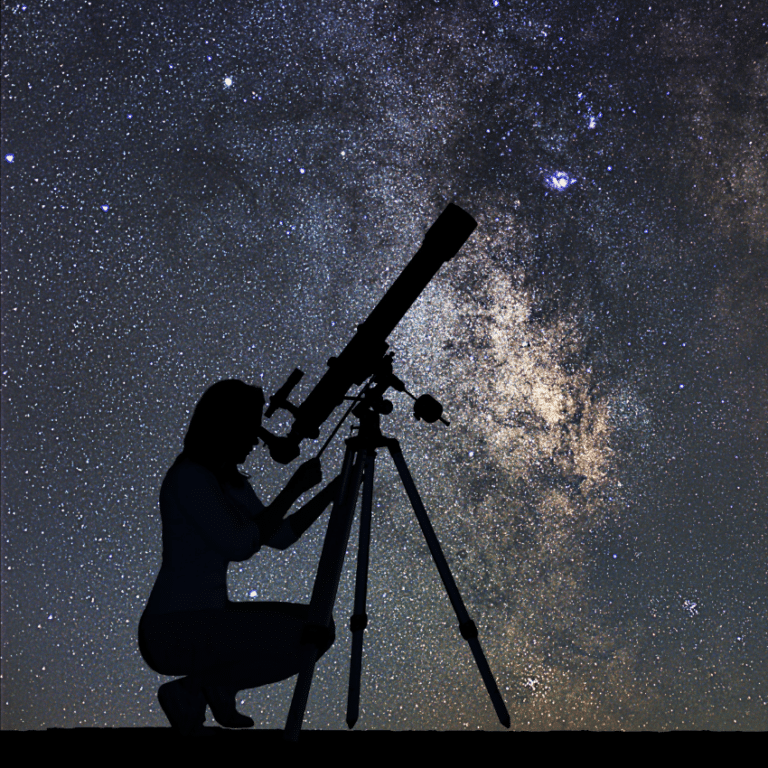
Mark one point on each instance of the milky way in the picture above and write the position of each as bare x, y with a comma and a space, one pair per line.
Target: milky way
192, 193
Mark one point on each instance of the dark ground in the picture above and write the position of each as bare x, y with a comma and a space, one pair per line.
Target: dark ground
438, 745
154, 743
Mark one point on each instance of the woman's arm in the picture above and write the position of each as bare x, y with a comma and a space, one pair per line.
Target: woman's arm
307, 515
308, 475
296, 524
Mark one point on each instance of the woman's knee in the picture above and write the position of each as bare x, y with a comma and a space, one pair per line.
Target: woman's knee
322, 637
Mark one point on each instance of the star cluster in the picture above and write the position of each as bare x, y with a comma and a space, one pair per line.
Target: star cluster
193, 192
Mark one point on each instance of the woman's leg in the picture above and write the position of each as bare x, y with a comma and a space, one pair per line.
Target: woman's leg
248, 645
262, 643
163, 646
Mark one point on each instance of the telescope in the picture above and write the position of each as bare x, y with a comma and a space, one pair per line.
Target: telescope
365, 359
363, 354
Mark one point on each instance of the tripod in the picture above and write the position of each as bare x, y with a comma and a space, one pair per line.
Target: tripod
358, 467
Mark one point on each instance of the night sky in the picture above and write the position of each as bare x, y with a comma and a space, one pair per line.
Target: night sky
199, 190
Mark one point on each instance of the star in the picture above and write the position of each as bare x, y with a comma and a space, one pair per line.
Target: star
616, 170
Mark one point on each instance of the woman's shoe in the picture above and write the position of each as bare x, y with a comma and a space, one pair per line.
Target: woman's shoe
222, 704
184, 705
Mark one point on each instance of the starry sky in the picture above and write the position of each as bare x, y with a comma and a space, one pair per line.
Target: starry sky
204, 190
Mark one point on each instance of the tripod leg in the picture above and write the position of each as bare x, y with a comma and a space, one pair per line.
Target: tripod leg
326, 582
466, 625
359, 618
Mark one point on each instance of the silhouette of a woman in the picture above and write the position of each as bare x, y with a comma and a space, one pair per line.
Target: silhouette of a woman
211, 516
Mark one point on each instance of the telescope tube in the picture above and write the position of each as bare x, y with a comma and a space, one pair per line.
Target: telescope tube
357, 362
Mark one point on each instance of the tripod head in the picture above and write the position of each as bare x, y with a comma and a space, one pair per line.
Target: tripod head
366, 352
425, 408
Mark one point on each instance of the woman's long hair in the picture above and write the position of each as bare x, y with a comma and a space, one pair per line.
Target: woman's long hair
228, 413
